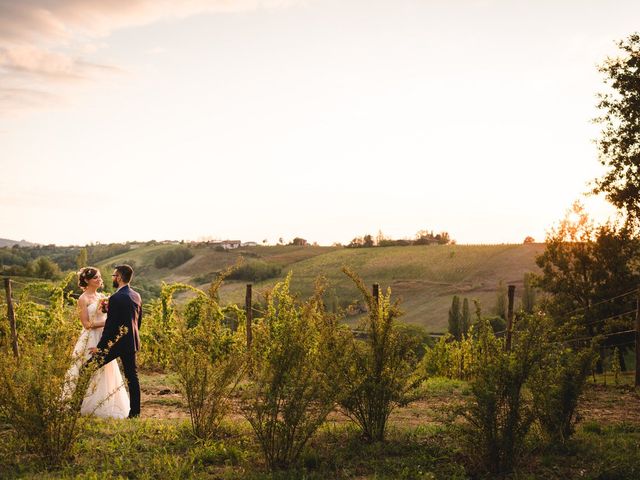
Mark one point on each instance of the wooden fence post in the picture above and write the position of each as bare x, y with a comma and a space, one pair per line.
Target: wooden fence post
637, 383
11, 316
511, 295
249, 311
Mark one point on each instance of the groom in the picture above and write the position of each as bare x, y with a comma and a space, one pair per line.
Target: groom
124, 313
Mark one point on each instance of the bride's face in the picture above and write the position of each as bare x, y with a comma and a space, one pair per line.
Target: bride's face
96, 281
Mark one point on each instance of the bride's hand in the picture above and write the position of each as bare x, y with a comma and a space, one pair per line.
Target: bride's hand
93, 350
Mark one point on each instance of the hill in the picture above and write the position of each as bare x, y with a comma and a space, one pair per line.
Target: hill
424, 277
5, 242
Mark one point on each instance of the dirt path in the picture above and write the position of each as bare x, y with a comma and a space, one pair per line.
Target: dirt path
603, 404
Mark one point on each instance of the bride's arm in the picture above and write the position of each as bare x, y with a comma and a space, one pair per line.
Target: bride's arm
97, 321
84, 313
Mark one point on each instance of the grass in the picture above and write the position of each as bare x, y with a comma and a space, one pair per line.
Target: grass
421, 445
424, 277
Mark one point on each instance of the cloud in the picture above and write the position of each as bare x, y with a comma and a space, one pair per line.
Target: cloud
27, 59
16, 100
48, 39
37, 20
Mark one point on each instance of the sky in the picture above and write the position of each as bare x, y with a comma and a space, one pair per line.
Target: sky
324, 119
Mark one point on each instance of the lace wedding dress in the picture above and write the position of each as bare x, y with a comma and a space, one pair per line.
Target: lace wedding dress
106, 396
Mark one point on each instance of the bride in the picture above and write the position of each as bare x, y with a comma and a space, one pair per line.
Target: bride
106, 395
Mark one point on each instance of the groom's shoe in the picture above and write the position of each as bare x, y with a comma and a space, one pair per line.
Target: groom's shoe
133, 415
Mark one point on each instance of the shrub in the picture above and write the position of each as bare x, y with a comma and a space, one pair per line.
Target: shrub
160, 325
450, 358
379, 371
44, 267
294, 384
37, 399
173, 258
417, 336
556, 389
255, 271
499, 415
208, 359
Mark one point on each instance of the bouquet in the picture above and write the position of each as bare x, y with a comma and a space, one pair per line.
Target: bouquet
104, 304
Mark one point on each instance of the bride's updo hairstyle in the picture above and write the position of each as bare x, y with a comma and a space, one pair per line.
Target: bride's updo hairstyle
84, 275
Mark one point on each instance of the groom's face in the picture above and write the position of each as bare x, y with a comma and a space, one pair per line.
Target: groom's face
116, 276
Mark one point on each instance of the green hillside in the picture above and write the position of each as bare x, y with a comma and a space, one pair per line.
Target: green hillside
424, 277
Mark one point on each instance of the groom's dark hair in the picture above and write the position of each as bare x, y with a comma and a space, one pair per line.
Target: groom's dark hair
125, 271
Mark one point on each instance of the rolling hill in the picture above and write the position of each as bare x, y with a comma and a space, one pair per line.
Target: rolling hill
424, 277
5, 242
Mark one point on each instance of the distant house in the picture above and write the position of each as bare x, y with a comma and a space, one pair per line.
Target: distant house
230, 244
249, 244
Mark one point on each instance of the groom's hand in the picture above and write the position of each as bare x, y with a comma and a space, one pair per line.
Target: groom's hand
93, 350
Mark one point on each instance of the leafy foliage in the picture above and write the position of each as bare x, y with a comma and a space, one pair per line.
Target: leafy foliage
583, 264
209, 360
450, 358
38, 402
173, 257
619, 143
380, 371
556, 388
293, 384
499, 415
455, 318
255, 271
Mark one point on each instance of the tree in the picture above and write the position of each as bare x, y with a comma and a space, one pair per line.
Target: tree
83, 258
529, 294
44, 267
619, 143
425, 237
355, 243
367, 241
528, 239
584, 264
173, 258
299, 242
455, 318
443, 238
466, 317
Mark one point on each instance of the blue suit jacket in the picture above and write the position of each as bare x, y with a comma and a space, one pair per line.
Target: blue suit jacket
125, 310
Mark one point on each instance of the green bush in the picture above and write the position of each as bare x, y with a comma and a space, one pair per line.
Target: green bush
255, 271
173, 258
38, 402
380, 371
499, 414
556, 389
450, 358
293, 383
208, 359
160, 324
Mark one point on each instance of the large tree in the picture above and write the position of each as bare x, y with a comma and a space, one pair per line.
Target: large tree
455, 318
619, 142
584, 264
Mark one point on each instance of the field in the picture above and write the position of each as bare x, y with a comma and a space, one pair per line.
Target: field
424, 277
422, 443
424, 438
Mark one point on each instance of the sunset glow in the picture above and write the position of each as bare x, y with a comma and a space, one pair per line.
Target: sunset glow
140, 120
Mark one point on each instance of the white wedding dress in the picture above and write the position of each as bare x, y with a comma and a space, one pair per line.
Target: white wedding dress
106, 396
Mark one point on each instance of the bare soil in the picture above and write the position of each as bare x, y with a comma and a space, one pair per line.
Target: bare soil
602, 404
